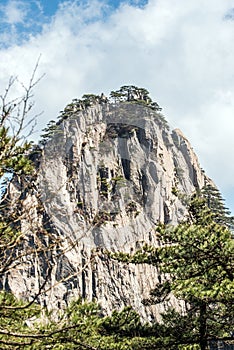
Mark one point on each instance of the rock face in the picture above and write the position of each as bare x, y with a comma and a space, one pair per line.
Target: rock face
106, 177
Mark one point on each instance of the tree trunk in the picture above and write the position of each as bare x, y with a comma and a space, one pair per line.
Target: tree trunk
203, 326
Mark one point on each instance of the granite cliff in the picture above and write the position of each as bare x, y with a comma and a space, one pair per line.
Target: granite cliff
107, 174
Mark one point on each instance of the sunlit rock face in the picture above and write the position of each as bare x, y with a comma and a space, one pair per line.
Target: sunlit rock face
107, 176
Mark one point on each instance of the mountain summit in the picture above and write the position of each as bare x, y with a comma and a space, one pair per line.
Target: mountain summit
108, 172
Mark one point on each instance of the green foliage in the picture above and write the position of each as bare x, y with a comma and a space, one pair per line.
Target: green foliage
49, 132
215, 202
195, 261
14, 316
101, 218
175, 190
13, 154
14, 160
178, 172
88, 99
83, 326
130, 93
134, 94
198, 258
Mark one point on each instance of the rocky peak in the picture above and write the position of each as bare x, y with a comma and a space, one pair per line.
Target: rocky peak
109, 172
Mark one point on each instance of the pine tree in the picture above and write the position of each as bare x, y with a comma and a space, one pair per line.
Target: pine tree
196, 264
198, 257
15, 123
216, 203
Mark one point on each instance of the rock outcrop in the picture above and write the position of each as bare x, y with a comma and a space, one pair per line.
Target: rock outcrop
108, 174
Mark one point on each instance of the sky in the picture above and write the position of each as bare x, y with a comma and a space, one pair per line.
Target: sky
181, 51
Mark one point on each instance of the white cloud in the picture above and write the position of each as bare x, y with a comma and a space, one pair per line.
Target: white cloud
180, 51
15, 11
19, 19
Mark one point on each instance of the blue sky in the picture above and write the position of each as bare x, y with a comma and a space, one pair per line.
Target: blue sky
181, 51
25, 17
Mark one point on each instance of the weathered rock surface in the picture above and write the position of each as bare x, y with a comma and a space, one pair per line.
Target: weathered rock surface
108, 175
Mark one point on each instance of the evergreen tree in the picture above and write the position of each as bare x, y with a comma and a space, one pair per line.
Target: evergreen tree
198, 257
216, 203
134, 94
196, 263
51, 129
130, 93
15, 125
